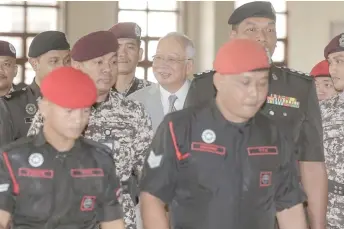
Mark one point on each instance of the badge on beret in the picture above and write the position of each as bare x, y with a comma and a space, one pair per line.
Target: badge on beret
137, 31
30, 109
13, 50
341, 41
36, 159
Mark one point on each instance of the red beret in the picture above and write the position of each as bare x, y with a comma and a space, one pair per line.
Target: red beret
321, 69
241, 55
94, 45
335, 45
7, 49
126, 30
69, 88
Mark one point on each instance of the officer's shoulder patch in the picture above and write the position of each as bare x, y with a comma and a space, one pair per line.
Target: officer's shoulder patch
101, 148
15, 94
296, 73
18, 144
204, 74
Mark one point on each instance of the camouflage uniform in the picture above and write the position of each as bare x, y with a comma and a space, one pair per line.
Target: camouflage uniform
332, 111
126, 128
135, 85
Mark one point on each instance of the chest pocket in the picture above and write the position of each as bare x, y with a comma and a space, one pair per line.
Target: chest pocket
265, 164
202, 168
88, 181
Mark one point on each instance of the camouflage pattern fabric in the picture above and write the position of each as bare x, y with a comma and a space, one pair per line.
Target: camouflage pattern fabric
332, 112
125, 127
135, 85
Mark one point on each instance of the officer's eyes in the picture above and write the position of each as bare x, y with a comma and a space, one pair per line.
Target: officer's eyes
99, 62
250, 29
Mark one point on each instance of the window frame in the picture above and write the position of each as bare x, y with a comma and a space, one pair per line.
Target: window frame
25, 35
145, 63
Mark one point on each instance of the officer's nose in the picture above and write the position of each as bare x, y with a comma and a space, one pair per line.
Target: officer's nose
261, 37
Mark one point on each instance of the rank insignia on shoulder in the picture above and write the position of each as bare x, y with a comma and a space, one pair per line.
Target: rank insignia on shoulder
282, 100
153, 160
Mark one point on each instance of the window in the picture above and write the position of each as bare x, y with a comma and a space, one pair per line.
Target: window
20, 22
280, 55
156, 19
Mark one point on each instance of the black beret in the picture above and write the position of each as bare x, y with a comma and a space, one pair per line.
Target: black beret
252, 9
47, 41
94, 45
126, 30
7, 49
335, 45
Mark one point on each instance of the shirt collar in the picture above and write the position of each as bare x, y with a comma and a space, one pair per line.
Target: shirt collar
40, 140
181, 93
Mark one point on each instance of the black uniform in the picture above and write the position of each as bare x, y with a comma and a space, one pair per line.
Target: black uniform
17, 110
216, 174
291, 102
43, 188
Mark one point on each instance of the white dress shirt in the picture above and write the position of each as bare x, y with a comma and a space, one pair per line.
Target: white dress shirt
181, 96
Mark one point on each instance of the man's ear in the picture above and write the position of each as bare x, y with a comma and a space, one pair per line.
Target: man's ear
232, 34
34, 63
76, 64
43, 106
189, 67
218, 81
140, 54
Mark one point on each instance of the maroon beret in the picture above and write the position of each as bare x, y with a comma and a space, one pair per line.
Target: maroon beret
7, 49
126, 30
94, 45
59, 88
335, 45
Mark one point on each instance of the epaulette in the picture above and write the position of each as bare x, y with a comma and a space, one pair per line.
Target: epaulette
17, 144
204, 74
296, 73
99, 147
14, 94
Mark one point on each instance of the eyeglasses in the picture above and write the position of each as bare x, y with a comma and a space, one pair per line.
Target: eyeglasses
168, 60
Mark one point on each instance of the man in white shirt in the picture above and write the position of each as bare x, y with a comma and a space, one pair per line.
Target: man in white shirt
172, 64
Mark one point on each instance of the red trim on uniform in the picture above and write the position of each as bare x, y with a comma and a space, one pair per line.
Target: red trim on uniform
262, 150
10, 171
208, 148
90, 172
262, 176
41, 173
179, 155
84, 206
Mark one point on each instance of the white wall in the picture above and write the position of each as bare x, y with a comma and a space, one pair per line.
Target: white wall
206, 24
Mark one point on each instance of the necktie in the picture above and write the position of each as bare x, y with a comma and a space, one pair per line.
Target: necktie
172, 99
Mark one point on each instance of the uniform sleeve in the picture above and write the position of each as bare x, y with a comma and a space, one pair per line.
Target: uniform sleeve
6, 127
110, 208
159, 173
36, 124
142, 140
311, 139
288, 189
7, 187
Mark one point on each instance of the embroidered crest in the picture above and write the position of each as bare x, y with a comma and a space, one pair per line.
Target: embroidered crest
282, 100
36, 159
31, 109
87, 203
208, 136
137, 31
12, 49
274, 76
